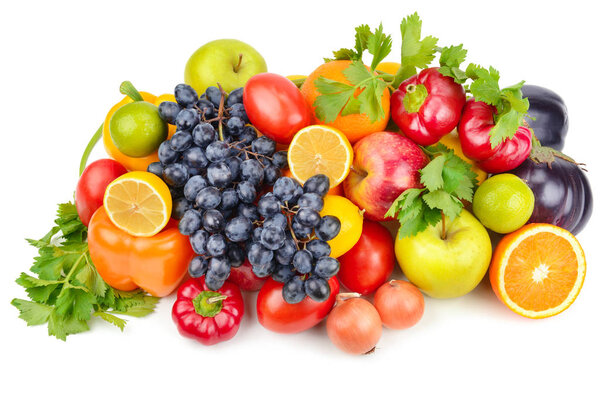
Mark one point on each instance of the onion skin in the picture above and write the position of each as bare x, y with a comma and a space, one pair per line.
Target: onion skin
354, 325
399, 304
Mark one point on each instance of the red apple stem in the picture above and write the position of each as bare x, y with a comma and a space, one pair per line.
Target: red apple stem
239, 64
361, 173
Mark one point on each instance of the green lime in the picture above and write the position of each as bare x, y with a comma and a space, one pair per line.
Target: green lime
503, 203
137, 130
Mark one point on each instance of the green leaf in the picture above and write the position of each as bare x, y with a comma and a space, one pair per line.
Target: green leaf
412, 226
333, 98
506, 127
31, 312
61, 326
342, 54
89, 277
363, 32
416, 52
112, 319
75, 302
431, 174
379, 45
485, 85
450, 60
357, 74
432, 216
444, 201
370, 100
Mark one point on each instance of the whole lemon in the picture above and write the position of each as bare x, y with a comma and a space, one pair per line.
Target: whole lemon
351, 218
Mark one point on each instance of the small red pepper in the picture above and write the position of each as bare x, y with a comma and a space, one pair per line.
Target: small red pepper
474, 133
427, 106
205, 315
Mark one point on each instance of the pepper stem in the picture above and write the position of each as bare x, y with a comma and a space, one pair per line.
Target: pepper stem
89, 148
129, 90
415, 97
208, 303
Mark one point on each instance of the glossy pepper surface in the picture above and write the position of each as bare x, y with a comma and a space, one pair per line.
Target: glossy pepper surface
474, 133
156, 264
205, 315
427, 106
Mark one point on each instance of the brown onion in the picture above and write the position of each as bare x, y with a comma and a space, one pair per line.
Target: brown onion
399, 303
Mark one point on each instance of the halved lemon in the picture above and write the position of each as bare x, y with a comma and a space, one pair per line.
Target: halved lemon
538, 270
138, 203
320, 149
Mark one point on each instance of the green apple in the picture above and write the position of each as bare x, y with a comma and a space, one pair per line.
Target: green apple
229, 62
446, 267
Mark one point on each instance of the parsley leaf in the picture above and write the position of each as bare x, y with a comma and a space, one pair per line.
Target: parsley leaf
68, 290
447, 180
450, 60
379, 45
415, 52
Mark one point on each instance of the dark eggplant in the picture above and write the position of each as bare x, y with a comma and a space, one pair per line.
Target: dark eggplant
550, 112
563, 196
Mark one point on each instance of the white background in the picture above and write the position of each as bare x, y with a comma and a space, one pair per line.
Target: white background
60, 68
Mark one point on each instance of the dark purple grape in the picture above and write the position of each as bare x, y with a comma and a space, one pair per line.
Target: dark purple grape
216, 245
213, 221
176, 175
285, 254
318, 248
198, 266
187, 119
204, 134
198, 241
181, 141
284, 188
207, 109
217, 151
312, 201
269, 205
235, 126
235, 97
246, 192
193, 186
293, 290
264, 270
280, 159
272, 173
194, 158
326, 267
303, 261
249, 211
219, 266
212, 281
252, 171
278, 220
238, 229
318, 184
258, 254
208, 198
180, 206
185, 95
213, 94
272, 237
307, 217
168, 110
229, 199
317, 288
248, 136
190, 222
166, 154
283, 273
155, 168
238, 110
264, 146
328, 228
234, 164
235, 254
255, 237
302, 232
219, 175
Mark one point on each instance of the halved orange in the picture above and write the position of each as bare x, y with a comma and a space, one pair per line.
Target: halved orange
138, 203
320, 149
538, 270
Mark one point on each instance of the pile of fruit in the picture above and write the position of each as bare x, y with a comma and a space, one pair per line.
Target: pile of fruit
245, 180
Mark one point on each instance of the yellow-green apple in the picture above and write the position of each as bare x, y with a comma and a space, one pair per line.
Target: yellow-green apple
229, 62
450, 266
385, 165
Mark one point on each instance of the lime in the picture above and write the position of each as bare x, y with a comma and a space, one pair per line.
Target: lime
137, 130
503, 203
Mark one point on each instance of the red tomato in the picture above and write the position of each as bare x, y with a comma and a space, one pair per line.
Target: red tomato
278, 316
275, 106
92, 184
245, 279
368, 264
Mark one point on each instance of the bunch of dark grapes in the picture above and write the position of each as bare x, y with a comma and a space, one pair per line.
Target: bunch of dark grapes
217, 169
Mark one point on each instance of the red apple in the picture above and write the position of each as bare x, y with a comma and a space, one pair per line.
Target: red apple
385, 165
245, 279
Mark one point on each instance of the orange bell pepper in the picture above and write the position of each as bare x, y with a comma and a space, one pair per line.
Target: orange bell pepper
156, 264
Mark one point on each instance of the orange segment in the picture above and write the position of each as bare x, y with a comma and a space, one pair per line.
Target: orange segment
538, 270
320, 149
138, 203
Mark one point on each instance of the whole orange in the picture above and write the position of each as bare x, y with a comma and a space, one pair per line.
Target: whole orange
354, 126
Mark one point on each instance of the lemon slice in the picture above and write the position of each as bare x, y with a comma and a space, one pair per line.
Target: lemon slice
320, 149
138, 203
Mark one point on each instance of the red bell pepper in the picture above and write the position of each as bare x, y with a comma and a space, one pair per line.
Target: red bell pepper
205, 315
474, 133
427, 106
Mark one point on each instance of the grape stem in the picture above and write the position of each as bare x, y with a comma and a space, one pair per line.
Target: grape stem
220, 114
89, 148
